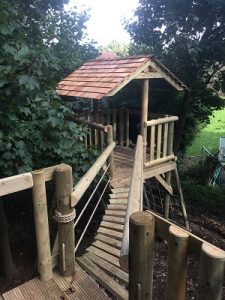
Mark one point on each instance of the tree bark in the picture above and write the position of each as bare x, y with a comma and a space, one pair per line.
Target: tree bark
7, 266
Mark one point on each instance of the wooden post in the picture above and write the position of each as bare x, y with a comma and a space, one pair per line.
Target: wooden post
114, 117
111, 157
211, 273
127, 128
65, 216
141, 245
41, 225
167, 196
181, 198
96, 120
177, 263
144, 113
121, 127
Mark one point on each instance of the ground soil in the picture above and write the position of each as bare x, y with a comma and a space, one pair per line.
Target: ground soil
207, 223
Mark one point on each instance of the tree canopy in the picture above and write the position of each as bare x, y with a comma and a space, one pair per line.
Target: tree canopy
189, 37
40, 43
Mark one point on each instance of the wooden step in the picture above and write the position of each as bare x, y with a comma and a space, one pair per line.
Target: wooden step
113, 226
109, 241
115, 213
120, 190
119, 195
111, 233
117, 220
118, 201
106, 248
104, 279
117, 273
117, 207
106, 256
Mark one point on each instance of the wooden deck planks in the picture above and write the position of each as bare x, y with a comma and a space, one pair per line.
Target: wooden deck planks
35, 289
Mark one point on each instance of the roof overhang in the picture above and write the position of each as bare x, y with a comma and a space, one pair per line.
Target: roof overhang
105, 76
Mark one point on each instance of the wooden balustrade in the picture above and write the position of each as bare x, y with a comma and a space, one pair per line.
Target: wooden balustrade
180, 244
160, 140
118, 118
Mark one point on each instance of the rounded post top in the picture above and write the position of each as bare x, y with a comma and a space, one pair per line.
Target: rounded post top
213, 251
142, 218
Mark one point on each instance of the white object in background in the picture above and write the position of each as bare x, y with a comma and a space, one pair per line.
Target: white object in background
221, 156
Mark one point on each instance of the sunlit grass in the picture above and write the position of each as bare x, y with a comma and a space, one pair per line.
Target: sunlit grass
209, 136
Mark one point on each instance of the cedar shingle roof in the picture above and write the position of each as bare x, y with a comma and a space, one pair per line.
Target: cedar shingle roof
107, 74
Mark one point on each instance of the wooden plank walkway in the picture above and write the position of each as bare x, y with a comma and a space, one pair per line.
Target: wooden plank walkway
101, 259
82, 287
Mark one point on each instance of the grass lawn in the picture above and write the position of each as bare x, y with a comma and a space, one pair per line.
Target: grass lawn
209, 136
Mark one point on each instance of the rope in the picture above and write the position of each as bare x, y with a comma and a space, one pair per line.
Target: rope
59, 218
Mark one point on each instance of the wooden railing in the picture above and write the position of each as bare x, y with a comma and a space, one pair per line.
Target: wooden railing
119, 119
159, 141
36, 180
135, 200
143, 228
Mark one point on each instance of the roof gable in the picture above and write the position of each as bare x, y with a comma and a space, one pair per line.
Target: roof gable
106, 75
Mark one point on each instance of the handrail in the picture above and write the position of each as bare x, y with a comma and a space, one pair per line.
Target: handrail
161, 121
134, 200
87, 179
17, 183
93, 125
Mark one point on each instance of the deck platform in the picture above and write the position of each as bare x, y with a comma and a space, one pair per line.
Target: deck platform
81, 287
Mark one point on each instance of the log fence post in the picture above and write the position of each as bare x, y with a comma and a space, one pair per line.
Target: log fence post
177, 263
141, 247
211, 275
64, 216
41, 225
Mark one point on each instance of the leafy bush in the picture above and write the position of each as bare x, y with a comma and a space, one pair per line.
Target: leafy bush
37, 135
203, 195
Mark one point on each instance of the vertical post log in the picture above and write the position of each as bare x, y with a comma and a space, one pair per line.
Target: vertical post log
41, 225
177, 263
127, 128
111, 157
121, 127
167, 196
96, 120
141, 245
144, 114
181, 198
65, 216
114, 124
211, 273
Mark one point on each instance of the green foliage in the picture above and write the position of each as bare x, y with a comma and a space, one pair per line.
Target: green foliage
203, 195
189, 37
40, 43
38, 135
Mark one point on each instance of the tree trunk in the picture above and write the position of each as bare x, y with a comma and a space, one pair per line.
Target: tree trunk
7, 267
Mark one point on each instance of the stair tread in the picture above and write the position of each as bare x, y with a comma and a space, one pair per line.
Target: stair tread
111, 233
118, 220
118, 201
104, 279
120, 190
109, 249
108, 240
109, 268
113, 226
117, 207
115, 213
106, 256
119, 195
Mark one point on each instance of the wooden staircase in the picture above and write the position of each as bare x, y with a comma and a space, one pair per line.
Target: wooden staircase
101, 259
